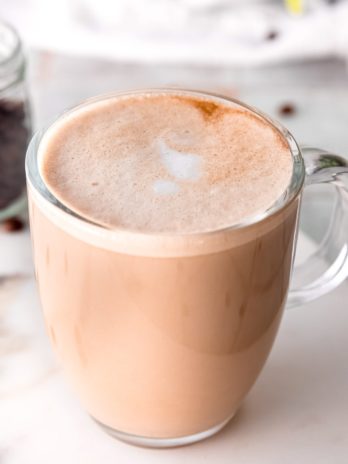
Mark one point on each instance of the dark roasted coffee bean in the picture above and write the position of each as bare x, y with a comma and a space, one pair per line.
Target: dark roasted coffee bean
272, 35
13, 225
287, 109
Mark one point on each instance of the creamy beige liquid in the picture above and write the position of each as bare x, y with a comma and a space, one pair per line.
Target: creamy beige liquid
162, 332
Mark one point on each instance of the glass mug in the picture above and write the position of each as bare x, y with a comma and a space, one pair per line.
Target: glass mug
163, 346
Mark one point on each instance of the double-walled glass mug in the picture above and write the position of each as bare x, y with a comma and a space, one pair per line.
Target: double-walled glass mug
162, 345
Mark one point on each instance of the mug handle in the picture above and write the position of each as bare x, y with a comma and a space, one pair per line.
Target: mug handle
328, 266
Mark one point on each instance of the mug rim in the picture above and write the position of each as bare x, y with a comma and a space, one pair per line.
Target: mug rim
35, 180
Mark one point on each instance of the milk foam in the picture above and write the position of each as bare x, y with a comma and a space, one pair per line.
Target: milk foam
182, 166
159, 163
165, 187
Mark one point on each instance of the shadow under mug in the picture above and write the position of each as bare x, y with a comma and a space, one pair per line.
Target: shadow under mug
163, 336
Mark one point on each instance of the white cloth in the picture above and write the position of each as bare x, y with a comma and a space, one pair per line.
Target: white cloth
215, 32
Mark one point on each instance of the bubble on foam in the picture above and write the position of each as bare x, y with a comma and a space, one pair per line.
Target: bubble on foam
165, 187
182, 166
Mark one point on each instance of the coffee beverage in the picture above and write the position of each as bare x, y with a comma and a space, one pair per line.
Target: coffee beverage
160, 306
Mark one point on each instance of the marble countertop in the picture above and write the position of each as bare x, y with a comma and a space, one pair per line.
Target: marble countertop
296, 412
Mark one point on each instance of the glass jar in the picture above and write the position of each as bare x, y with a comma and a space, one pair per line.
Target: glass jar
15, 123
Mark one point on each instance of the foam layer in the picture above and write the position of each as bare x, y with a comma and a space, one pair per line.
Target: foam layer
165, 163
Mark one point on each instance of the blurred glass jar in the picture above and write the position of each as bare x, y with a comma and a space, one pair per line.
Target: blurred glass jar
15, 123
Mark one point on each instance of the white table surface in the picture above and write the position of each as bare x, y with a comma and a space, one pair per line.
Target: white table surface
298, 410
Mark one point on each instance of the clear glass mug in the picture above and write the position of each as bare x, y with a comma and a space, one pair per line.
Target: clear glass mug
162, 345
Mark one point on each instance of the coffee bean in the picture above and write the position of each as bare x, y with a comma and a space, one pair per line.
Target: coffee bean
287, 109
272, 35
13, 225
